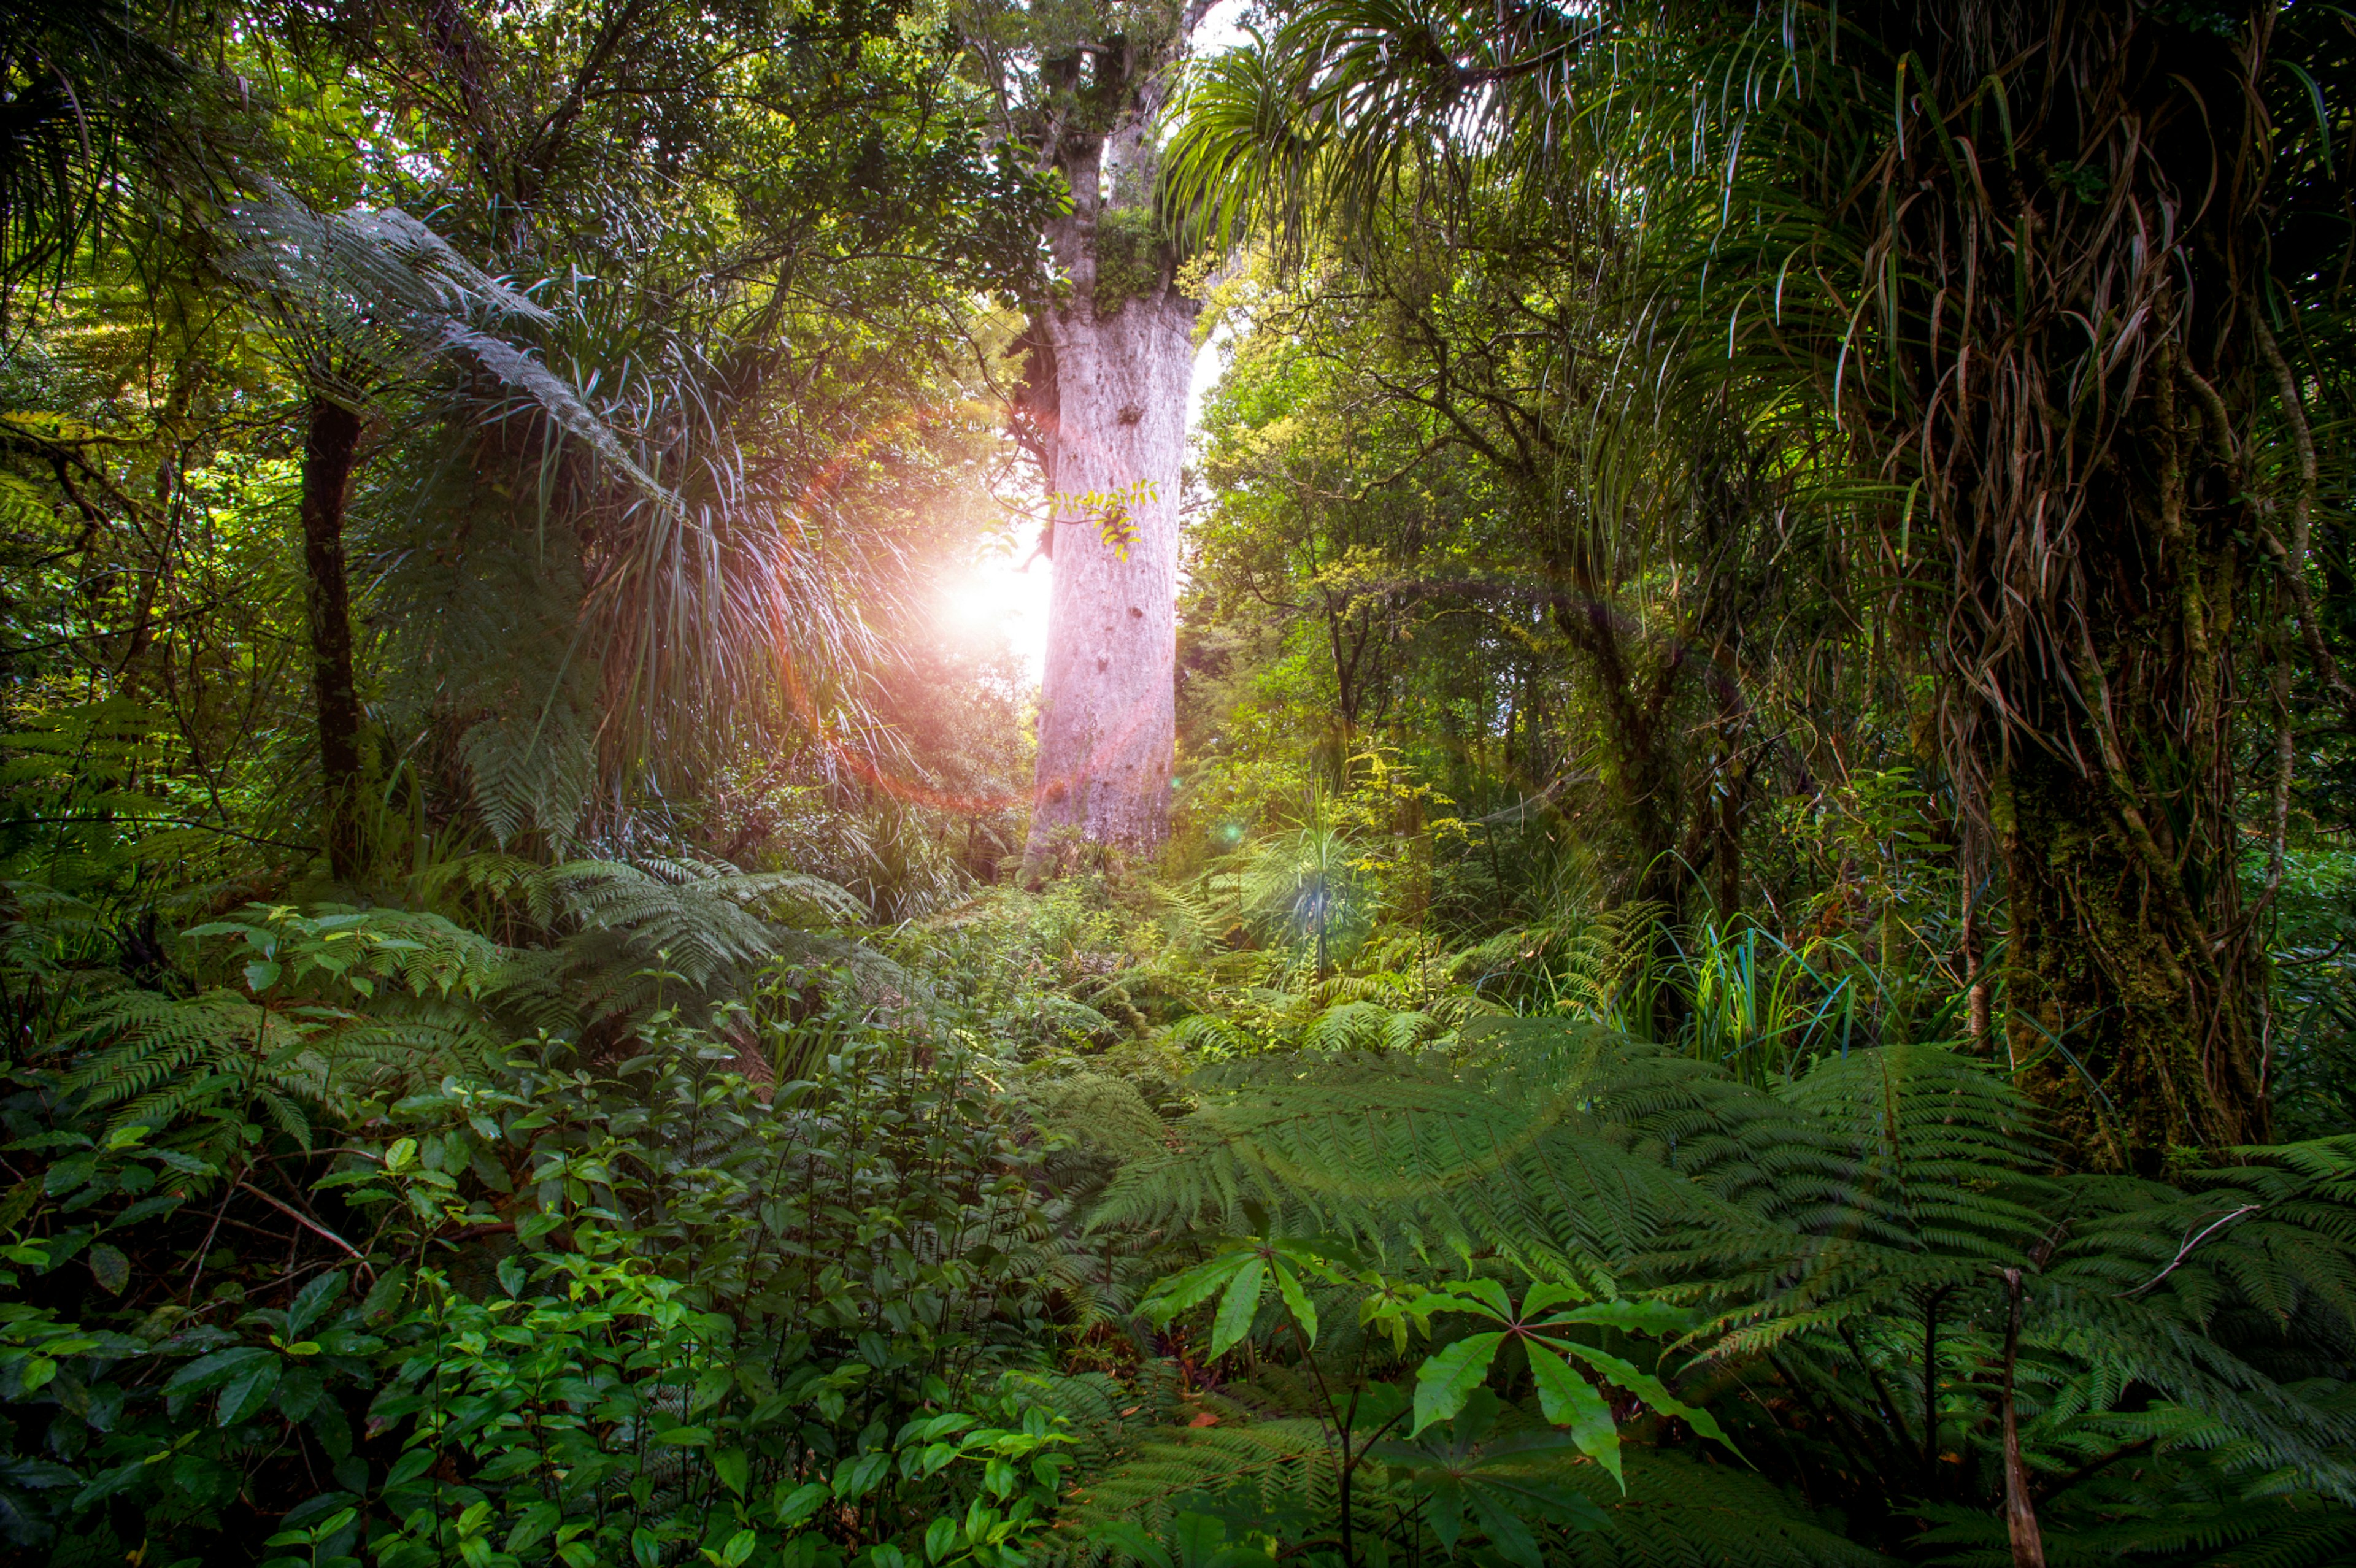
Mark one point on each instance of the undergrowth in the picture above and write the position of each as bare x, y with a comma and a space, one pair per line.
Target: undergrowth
618, 1212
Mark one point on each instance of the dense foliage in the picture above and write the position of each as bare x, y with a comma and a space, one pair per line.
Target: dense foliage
1716, 996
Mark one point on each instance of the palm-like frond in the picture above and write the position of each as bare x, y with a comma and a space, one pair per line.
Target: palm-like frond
364, 298
105, 116
1324, 119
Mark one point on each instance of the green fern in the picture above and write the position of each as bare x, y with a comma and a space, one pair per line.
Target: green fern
1848, 1231
159, 1062
335, 1006
1676, 1513
1099, 1112
1282, 1463
529, 772
1498, 1151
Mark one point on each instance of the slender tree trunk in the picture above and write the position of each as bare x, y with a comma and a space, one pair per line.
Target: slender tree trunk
330, 446
2020, 1513
1106, 396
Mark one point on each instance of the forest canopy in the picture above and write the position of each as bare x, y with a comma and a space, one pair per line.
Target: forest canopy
1671, 884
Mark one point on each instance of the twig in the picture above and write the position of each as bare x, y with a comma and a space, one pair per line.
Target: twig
197, 1263
308, 1223
2186, 1250
2334, 950
2095, 1466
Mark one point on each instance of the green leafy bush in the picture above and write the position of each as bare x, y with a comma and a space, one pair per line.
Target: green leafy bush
599, 1318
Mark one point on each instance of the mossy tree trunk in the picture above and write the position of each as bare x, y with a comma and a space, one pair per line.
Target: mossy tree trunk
2068, 269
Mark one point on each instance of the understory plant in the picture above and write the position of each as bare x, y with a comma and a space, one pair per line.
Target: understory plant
550, 1313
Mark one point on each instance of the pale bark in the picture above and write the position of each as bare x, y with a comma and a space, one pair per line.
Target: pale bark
1107, 405
1107, 709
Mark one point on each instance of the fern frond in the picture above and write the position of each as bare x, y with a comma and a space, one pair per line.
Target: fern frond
1430, 1156
1099, 1111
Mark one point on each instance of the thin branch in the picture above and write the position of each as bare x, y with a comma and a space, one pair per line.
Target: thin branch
2186, 1250
307, 1223
2302, 519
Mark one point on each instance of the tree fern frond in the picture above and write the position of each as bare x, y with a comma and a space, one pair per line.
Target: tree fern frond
529, 772
1283, 1462
1102, 1113
1501, 1153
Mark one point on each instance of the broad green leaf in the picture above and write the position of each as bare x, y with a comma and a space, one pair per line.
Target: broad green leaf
1570, 1401
1304, 1311
1445, 1380
1329, 1256
733, 1469
1446, 1515
1631, 1316
300, 1389
209, 1372
1648, 1388
1199, 1537
312, 1301
1193, 1285
1240, 1556
1546, 1293
539, 1521
110, 1267
1129, 1541
855, 1478
795, 1506
244, 1393
1507, 1532
1475, 1294
1378, 1404
1236, 1308
409, 1466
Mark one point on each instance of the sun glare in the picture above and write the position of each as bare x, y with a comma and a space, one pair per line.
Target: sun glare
999, 600
996, 604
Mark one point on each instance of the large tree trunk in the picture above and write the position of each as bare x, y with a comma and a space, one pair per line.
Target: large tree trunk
1108, 719
1107, 402
2093, 512
330, 446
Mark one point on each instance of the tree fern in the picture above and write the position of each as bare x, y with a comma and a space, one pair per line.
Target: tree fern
530, 770
1497, 1151
1283, 1463
1583, 961
153, 1061
1675, 1513
1849, 1231
296, 1036
1098, 1111
364, 298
